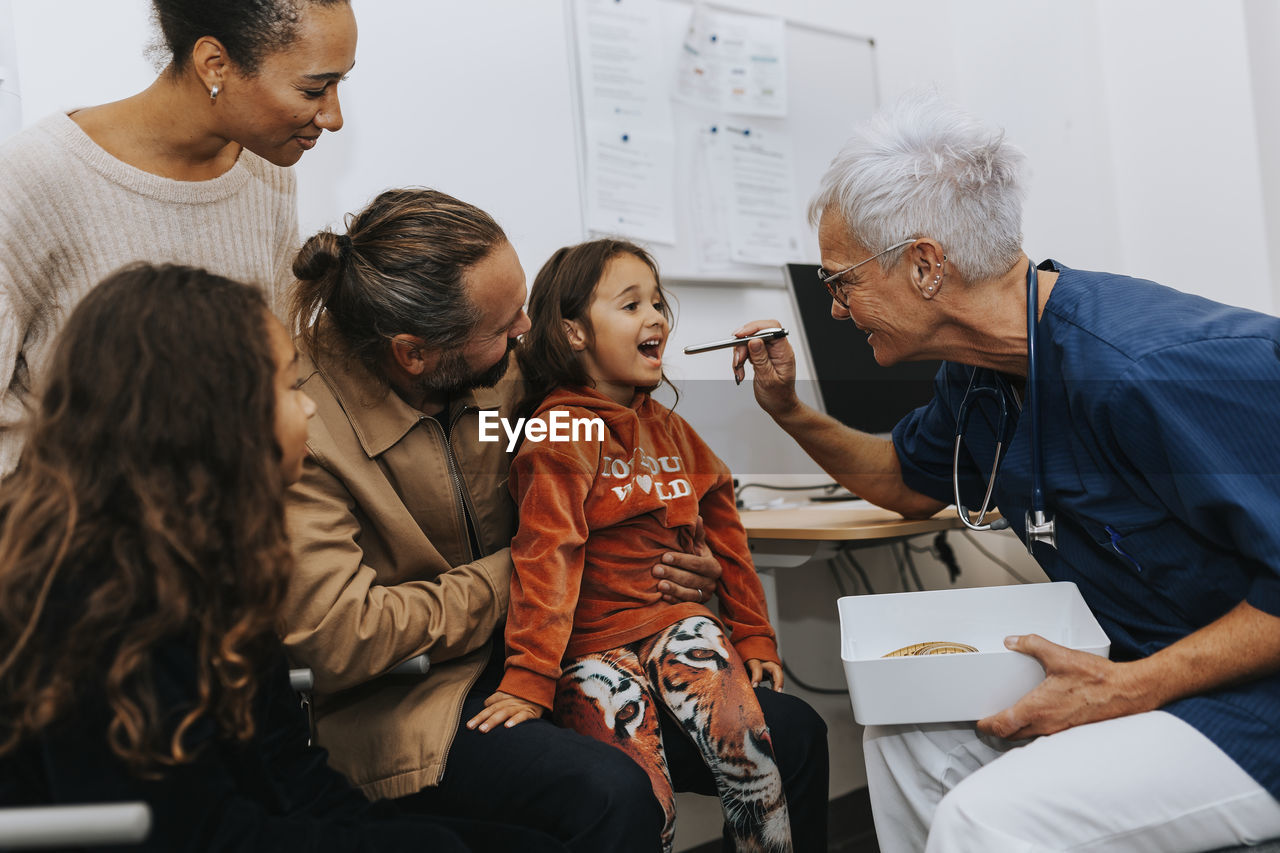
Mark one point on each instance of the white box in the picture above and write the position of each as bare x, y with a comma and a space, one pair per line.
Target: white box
955, 687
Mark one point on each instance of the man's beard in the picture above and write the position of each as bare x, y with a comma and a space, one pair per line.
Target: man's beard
453, 375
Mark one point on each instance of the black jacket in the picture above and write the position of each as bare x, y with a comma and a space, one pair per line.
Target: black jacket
273, 793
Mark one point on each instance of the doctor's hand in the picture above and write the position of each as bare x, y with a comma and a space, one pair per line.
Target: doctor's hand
692, 576
773, 364
1078, 688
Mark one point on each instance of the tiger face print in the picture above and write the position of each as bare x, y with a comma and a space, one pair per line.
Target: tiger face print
692, 669
704, 683
604, 696
619, 702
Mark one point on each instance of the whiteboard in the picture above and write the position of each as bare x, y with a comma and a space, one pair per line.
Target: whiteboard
831, 87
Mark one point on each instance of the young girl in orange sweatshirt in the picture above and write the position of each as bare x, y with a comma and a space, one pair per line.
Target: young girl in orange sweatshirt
588, 636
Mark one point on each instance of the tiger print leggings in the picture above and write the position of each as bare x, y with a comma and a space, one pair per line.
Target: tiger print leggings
690, 669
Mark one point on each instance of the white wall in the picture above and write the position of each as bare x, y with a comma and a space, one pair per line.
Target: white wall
1149, 126
423, 107
1143, 121
485, 118
72, 53
1032, 67
1185, 141
1262, 27
10, 101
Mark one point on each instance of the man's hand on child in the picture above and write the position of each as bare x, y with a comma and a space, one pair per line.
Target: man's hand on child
692, 576
761, 669
503, 708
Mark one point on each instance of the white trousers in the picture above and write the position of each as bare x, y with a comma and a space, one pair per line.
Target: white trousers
1144, 782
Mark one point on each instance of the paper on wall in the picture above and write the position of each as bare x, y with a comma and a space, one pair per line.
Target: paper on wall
733, 63
751, 205
630, 189
627, 121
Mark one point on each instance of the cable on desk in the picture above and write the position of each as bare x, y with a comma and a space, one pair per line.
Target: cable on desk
940, 550
993, 558
827, 488
946, 555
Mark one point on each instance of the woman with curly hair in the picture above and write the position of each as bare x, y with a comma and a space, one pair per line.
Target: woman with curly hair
143, 558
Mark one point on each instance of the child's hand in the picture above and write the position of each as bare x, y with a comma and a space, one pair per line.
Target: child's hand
761, 669
506, 709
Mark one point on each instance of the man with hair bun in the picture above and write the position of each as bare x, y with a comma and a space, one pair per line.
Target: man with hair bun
401, 527
1157, 419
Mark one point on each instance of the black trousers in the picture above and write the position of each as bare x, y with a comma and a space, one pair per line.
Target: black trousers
592, 797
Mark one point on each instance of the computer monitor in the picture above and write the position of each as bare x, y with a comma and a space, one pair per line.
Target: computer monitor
851, 386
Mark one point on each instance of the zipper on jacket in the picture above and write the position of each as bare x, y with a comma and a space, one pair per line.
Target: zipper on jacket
457, 714
459, 491
468, 507
467, 513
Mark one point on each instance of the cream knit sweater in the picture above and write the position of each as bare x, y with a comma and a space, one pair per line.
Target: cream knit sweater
70, 214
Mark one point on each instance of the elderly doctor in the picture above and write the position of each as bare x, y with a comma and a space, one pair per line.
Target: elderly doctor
1160, 478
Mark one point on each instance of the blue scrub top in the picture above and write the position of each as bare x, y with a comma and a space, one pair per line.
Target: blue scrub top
1160, 427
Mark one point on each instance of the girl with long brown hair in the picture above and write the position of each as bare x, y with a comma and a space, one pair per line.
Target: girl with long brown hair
143, 558
589, 639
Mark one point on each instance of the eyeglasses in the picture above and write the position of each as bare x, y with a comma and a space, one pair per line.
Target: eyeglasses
832, 280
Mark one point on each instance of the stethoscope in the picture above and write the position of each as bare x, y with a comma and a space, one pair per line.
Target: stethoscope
1040, 524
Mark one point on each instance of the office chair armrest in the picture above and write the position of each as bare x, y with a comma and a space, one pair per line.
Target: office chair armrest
416, 665
37, 827
303, 680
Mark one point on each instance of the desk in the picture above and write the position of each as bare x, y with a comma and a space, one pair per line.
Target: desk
847, 521
787, 538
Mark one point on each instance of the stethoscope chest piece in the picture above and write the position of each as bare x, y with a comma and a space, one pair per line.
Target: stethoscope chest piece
1041, 528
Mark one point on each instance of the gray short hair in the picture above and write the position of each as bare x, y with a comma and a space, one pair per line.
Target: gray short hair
923, 168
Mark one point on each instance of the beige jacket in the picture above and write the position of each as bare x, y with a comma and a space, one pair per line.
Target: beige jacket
385, 570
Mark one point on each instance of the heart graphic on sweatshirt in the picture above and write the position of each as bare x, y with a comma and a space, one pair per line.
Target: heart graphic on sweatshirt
645, 482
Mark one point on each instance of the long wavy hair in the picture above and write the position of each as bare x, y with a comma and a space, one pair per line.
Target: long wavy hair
563, 290
147, 509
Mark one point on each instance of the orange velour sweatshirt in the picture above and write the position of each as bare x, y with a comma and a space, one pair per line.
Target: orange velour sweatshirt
596, 515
